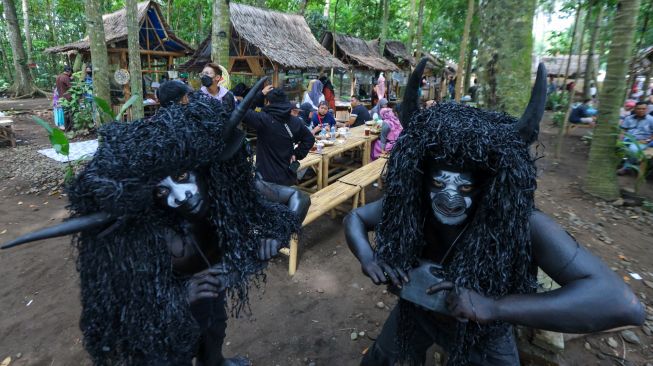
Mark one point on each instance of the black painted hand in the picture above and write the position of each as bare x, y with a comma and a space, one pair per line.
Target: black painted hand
466, 304
268, 249
380, 272
206, 284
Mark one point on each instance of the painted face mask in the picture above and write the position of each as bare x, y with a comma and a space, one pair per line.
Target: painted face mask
451, 195
186, 194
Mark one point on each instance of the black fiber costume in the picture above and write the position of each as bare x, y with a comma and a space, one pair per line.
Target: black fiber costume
494, 254
134, 309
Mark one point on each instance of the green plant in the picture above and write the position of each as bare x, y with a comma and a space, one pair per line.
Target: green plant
80, 106
108, 113
558, 118
556, 101
61, 145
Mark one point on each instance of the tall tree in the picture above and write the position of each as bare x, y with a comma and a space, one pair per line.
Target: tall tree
590, 67
136, 83
384, 26
505, 52
463, 49
601, 179
99, 56
302, 7
420, 26
220, 33
411, 27
28, 34
23, 83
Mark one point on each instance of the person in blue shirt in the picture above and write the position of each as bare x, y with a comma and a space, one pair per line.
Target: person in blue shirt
322, 118
584, 113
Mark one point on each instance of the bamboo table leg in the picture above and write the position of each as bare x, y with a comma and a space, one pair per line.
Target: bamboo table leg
292, 261
325, 171
320, 173
367, 150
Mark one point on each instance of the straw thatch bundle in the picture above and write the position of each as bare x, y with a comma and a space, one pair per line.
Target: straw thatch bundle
557, 65
358, 52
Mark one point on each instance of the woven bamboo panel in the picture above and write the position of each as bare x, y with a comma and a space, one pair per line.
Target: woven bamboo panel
328, 198
365, 175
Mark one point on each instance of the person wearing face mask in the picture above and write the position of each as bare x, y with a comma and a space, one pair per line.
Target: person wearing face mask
459, 239
210, 77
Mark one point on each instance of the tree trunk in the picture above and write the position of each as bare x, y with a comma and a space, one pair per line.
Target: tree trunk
384, 27
3, 48
327, 8
463, 49
632, 75
99, 57
420, 25
52, 36
601, 179
28, 34
221, 33
23, 83
411, 27
589, 68
168, 10
136, 79
470, 58
570, 93
505, 53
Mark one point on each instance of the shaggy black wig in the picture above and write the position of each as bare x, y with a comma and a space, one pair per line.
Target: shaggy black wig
493, 257
134, 309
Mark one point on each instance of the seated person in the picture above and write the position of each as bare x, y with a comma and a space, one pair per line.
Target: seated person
637, 133
390, 131
359, 114
626, 110
322, 118
582, 113
306, 113
173, 92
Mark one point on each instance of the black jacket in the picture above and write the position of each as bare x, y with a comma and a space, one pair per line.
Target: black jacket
274, 147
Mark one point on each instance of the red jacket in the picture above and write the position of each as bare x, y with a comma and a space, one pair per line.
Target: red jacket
330, 98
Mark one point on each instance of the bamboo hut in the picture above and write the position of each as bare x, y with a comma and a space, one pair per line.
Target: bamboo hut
159, 46
265, 42
557, 65
364, 61
396, 52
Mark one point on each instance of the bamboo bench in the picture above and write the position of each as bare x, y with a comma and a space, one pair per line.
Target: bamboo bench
322, 202
364, 176
7, 131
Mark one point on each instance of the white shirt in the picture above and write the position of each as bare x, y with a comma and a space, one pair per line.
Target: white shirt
307, 99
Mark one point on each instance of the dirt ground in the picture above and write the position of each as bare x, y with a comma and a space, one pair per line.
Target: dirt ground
308, 318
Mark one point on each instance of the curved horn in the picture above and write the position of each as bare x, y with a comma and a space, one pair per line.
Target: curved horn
238, 113
410, 103
529, 123
67, 227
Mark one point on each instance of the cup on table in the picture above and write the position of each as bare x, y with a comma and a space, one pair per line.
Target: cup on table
320, 146
367, 131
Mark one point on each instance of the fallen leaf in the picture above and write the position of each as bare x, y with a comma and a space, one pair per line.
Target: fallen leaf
3, 231
365, 351
20, 203
6, 361
626, 279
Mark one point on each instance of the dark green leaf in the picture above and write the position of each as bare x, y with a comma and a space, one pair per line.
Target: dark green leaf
125, 106
104, 107
60, 142
43, 124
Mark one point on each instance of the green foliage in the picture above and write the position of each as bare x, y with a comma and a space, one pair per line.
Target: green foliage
556, 101
79, 106
632, 159
558, 118
559, 42
105, 108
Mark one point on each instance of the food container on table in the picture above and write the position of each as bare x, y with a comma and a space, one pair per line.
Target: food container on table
367, 131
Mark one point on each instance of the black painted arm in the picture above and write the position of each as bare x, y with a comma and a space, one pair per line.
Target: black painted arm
357, 224
296, 200
591, 297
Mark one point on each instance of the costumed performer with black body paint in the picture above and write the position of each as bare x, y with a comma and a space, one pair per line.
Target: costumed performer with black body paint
459, 238
171, 221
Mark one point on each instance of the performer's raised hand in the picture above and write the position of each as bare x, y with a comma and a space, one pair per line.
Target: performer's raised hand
466, 304
269, 248
206, 284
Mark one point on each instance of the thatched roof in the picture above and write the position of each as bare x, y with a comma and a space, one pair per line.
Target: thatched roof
357, 52
557, 65
283, 38
396, 52
115, 30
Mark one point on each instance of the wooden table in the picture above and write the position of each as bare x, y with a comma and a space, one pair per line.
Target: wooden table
359, 132
328, 152
312, 160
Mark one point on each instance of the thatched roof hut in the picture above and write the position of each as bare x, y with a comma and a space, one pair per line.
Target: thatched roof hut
155, 34
357, 53
396, 52
557, 65
284, 40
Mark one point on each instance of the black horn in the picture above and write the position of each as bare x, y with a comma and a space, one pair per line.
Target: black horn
529, 123
67, 227
410, 103
233, 136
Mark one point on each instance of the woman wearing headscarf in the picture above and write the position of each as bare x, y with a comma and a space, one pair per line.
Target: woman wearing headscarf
313, 94
329, 93
390, 131
380, 105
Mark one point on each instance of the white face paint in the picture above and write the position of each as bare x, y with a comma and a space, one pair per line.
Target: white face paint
450, 196
179, 192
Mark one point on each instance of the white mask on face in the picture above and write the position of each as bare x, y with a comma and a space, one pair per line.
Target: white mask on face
450, 196
179, 192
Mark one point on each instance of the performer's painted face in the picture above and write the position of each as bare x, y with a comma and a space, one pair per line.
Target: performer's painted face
451, 195
185, 194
